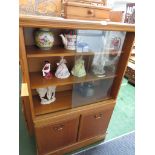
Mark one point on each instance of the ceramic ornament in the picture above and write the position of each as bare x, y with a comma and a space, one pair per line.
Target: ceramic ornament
46, 71
69, 40
114, 40
47, 95
98, 66
44, 38
62, 70
79, 68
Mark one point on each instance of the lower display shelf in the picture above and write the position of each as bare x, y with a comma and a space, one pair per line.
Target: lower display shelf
63, 101
66, 100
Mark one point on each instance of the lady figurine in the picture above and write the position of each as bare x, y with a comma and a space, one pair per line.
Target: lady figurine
46, 71
79, 68
62, 70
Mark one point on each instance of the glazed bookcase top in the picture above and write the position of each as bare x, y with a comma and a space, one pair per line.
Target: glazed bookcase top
59, 22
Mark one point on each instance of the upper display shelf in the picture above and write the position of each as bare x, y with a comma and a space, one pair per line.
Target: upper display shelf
58, 22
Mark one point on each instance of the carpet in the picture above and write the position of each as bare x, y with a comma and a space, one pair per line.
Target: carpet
123, 145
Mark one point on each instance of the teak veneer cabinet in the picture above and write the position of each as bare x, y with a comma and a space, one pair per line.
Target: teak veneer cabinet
60, 127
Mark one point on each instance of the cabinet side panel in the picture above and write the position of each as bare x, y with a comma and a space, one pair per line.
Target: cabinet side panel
22, 51
27, 114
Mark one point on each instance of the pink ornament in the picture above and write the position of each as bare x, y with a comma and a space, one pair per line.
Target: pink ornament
47, 70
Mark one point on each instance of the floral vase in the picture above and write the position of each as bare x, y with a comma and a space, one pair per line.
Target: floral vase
44, 38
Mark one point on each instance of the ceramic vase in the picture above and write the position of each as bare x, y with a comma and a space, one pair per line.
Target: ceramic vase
44, 38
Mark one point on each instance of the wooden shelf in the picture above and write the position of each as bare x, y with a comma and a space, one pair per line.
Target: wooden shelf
37, 80
34, 52
63, 101
58, 22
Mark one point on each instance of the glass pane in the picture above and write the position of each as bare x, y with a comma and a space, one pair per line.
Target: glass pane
97, 56
91, 92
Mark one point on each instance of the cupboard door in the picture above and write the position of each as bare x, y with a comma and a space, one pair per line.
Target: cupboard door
94, 123
54, 136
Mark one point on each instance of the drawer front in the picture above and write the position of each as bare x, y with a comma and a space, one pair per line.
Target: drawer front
94, 123
88, 13
57, 135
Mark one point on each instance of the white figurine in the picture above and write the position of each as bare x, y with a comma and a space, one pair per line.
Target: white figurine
47, 95
62, 70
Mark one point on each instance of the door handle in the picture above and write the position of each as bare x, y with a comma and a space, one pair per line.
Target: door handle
59, 128
98, 116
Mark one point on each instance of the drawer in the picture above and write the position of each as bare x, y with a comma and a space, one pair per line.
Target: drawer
94, 123
86, 13
54, 136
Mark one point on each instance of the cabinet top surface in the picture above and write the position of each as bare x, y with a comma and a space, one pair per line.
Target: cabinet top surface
40, 14
59, 22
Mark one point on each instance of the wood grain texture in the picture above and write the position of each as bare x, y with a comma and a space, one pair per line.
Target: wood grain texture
61, 23
94, 123
46, 119
25, 67
34, 52
55, 136
116, 16
63, 102
27, 114
38, 81
77, 145
71, 11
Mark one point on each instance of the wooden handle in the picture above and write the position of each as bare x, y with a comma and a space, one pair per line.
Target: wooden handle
59, 128
90, 12
98, 116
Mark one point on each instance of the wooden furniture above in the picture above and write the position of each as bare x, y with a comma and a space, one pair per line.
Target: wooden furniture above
74, 120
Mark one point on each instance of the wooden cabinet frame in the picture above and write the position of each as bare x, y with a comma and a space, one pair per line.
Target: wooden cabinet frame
35, 121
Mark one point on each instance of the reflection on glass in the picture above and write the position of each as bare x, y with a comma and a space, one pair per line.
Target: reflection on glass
91, 92
106, 47
101, 51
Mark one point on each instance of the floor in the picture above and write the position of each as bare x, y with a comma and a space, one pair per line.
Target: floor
123, 145
122, 121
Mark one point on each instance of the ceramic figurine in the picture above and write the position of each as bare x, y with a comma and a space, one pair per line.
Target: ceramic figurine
47, 95
69, 40
62, 70
98, 66
79, 68
44, 38
46, 71
114, 40
115, 43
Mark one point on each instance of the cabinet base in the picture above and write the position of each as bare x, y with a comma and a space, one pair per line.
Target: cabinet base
75, 146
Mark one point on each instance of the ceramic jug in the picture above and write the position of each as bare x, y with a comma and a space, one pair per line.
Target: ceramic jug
69, 40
